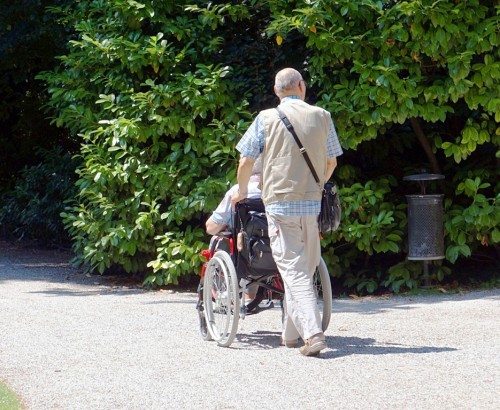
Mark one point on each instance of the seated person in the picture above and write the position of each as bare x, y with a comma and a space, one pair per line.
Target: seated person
222, 218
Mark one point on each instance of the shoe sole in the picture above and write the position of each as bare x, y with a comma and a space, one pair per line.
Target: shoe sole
314, 349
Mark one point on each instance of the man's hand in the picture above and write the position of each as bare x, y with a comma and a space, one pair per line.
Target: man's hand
237, 197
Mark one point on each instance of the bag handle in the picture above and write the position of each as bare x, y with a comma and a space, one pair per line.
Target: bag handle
303, 151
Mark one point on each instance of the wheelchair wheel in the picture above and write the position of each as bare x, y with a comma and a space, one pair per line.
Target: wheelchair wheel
221, 298
323, 288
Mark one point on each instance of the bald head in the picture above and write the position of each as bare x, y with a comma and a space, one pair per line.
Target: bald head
289, 82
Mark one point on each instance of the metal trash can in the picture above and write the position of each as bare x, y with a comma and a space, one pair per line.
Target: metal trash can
425, 221
425, 227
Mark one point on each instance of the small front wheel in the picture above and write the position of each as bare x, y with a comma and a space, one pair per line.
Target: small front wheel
204, 333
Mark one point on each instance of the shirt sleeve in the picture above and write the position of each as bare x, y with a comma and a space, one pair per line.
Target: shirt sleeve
333, 148
252, 142
223, 213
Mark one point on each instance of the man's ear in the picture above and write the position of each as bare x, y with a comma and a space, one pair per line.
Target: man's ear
276, 92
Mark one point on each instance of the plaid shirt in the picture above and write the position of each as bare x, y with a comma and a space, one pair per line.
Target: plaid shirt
252, 144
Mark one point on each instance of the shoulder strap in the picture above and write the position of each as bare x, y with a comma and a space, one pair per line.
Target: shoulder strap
303, 151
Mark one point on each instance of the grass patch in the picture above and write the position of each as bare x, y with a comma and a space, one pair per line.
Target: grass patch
8, 399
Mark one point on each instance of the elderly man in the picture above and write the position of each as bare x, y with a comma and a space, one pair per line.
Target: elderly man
292, 198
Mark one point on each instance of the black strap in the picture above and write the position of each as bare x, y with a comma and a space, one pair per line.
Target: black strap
287, 123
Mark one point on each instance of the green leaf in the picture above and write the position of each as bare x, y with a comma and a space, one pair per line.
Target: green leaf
495, 236
470, 185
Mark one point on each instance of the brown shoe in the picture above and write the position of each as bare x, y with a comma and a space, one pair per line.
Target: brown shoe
314, 345
289, 343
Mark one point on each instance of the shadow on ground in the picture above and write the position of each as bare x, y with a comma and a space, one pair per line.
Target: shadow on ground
338, 346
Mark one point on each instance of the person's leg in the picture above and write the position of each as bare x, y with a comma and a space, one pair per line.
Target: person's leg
296, 250
252, 291
316, 341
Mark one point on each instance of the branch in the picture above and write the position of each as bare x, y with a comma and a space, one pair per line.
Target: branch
424, 142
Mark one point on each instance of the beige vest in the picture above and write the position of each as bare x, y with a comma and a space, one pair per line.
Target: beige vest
286, 176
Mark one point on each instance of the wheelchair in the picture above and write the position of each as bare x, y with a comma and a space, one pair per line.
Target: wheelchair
234, 262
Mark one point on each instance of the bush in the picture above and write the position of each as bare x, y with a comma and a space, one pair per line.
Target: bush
31, 210
159, 93
158, 123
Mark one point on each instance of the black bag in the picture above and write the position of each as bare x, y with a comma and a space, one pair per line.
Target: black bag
329, 216
254, 249
256, 224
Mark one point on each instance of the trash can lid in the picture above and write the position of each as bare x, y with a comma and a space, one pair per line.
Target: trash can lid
423, 177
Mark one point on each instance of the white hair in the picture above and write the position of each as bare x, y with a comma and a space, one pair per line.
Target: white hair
286, 80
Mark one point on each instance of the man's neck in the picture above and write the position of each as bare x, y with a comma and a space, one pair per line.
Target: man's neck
290, 97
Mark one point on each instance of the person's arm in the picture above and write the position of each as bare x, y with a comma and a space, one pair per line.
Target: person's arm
333, 150
250, 146
213, 228
331, 164
244, 173
220, 219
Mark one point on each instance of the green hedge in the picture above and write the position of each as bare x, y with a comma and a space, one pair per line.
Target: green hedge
159, 93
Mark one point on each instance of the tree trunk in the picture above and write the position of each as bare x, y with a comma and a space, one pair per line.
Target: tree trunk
419, 132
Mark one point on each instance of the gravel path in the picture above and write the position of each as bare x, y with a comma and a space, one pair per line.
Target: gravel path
68, 341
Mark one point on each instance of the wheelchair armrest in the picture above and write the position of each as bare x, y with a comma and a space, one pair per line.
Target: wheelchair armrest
225, 234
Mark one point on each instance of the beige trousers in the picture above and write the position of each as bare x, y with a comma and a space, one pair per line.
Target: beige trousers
296, 249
